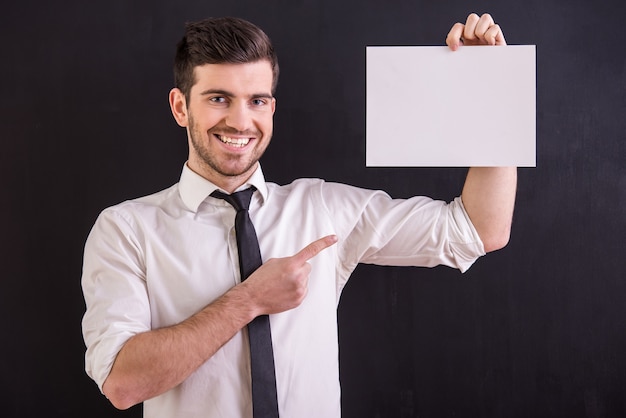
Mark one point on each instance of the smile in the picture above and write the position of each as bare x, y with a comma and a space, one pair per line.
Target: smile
236, 142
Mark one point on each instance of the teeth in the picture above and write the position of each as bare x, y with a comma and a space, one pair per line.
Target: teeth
237, 142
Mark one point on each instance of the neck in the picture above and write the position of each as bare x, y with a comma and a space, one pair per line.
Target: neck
225, 182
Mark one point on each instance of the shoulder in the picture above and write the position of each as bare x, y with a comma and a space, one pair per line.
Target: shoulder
313, 187
316, 184
333, 195
165, 200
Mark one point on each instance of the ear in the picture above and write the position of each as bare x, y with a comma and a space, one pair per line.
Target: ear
178, 105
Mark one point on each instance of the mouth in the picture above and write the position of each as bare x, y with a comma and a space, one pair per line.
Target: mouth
235, 142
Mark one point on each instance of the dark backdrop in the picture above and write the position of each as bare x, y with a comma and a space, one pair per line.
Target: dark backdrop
537, 329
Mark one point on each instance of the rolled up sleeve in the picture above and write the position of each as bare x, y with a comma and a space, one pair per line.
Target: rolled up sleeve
114, 289
418, 231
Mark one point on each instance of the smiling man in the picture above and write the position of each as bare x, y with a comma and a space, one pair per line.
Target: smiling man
228, 113
168, 311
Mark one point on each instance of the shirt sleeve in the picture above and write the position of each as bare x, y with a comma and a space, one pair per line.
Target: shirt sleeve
375, 229
114, 288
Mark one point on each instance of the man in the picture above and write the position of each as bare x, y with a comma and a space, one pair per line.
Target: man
166, 307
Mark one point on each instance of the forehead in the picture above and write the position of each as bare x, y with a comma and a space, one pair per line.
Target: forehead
241, 79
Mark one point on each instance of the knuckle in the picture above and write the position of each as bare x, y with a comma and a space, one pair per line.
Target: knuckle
308, 251
292, 270
301, 294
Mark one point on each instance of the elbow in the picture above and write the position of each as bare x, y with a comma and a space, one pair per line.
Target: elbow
119, 395
497, 241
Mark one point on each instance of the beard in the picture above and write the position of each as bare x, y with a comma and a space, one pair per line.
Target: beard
232, 165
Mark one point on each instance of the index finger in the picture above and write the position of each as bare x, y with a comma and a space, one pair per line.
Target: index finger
315, 248
453, 40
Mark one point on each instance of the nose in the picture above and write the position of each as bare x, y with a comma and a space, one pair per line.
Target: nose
239, 117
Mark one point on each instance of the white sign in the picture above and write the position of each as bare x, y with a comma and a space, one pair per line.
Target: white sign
430, 106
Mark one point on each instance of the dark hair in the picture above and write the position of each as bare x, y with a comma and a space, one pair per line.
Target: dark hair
218, 41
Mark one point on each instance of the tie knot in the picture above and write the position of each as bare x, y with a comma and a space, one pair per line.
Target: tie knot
239, 200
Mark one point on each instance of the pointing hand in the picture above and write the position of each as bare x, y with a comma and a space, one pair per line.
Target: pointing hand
281, 284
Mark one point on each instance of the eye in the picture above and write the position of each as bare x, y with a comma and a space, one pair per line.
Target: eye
218, 99
259, 102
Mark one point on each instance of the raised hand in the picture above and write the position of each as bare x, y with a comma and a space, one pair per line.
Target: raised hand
476, 31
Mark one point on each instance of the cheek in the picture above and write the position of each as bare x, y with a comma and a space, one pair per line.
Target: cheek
268, 122
203, 122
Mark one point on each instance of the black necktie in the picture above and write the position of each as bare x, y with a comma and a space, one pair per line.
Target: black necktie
264, 398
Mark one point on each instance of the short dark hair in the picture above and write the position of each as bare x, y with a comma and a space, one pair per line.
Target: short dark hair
223, 40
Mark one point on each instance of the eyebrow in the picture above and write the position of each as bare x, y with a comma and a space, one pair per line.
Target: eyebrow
229, 94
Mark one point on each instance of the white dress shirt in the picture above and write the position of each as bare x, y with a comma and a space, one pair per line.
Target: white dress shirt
154, 261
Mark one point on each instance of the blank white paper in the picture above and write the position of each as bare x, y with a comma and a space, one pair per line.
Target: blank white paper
429, 106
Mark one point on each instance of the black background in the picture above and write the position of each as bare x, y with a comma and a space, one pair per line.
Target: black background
537, 329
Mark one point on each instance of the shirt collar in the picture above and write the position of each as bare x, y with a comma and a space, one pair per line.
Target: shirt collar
194, 188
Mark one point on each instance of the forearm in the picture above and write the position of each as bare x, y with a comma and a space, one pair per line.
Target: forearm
489, 197
153, 362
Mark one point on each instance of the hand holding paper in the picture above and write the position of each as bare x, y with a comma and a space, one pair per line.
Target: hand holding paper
476, 31
429, 106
